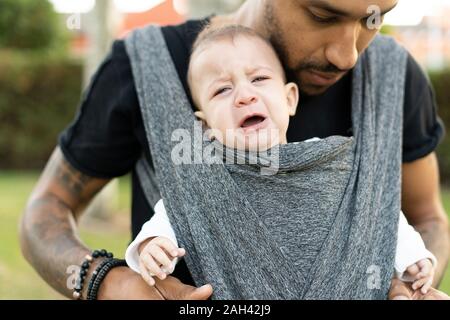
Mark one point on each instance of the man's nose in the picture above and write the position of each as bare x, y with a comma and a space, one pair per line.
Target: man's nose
245, 97
343, 51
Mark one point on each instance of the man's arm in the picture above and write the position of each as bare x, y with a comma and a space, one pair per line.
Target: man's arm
48, 238
422, 205
50, 243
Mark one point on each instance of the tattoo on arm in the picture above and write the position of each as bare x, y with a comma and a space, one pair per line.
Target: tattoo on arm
48, 231
77, 186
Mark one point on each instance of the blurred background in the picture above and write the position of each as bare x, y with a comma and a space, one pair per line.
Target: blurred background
48, 52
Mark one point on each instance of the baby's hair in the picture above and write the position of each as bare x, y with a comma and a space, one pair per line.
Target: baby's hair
211, 34
225, 31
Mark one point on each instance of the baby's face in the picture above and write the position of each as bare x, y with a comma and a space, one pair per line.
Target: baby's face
239, 88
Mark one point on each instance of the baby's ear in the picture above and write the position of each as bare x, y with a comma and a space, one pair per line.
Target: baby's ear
292, 96
200, 115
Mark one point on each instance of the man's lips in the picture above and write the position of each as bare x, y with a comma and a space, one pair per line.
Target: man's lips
322, 79
253, 122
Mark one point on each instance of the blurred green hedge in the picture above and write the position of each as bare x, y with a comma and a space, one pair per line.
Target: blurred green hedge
39, 85
441, 84
28, 24
38, 98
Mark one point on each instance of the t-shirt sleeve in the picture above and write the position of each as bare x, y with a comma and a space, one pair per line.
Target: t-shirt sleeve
101, 141
423, 129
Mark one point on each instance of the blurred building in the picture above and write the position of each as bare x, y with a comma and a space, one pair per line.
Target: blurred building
423, 28
429, 41
166, 13
119, 22
118, 17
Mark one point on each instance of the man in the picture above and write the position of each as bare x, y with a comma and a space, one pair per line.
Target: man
319, 42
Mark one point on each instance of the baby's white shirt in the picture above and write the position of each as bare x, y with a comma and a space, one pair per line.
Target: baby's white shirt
158, 226
410, 249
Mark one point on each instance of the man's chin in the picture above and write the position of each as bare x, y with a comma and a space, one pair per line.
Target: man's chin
313, 90
309, 87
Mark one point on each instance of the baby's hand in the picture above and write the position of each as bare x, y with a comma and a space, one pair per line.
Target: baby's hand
422, 273
158, 252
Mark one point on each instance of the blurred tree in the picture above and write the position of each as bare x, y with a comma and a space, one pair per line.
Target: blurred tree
100, 25
387, 29
39, 83
28, 24
441, 82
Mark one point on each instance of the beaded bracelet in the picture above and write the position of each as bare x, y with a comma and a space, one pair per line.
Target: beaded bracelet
94, 276
85, 268
99, 275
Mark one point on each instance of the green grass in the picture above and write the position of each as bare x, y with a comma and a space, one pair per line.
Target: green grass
19, 281
445, 285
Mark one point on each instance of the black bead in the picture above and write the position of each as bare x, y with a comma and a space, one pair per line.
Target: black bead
110, 255
85, 265
103, 253
83, 272
95, 254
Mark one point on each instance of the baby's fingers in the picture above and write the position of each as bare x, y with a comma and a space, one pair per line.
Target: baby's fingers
145, 274
161, 257
427, 286
413, 270
170, 247
149, 263
425, 268
420, 283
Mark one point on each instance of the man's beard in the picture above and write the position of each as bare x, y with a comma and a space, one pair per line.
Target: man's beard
293, 73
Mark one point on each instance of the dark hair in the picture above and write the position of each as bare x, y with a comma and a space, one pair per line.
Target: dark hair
214, 33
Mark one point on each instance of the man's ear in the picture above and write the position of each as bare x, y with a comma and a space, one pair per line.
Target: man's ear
292, 96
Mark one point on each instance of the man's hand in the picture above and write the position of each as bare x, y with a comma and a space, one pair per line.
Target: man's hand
173, 289
403, 291
122, 283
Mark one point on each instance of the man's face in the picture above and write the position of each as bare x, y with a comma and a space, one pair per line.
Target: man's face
319, 41
238, 84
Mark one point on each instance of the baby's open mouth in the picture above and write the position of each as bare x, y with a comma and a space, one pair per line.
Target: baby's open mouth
252, 121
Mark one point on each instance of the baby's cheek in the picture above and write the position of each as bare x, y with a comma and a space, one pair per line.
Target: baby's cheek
226, 130
282, 121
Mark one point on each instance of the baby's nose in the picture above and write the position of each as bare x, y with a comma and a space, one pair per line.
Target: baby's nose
245, 98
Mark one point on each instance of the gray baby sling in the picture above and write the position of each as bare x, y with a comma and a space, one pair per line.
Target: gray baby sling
332, 237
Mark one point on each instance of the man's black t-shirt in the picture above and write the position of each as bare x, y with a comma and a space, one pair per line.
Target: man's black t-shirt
108, 137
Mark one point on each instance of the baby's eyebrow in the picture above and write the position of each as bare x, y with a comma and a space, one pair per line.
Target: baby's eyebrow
259, 68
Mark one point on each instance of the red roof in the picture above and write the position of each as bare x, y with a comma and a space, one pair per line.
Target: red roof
163, 14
